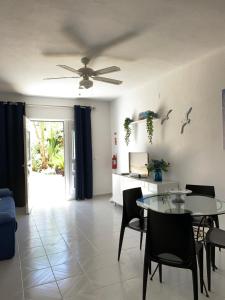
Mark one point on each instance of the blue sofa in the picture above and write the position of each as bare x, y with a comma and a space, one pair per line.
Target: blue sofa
8, 224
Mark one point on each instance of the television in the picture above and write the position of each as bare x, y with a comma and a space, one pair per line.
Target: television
137, 162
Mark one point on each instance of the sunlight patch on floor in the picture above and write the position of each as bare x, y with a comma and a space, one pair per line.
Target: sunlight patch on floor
47, 190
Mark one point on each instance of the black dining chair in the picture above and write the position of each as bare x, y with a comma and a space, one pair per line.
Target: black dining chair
133, 215
203, 190
171, 242
215, 237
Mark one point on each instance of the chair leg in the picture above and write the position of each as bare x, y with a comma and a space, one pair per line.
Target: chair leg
121, 239
141, 238
159, 266
150, 267
213, 257
208, 262
154, 272
200, 264
216, 220
195, 282
160, 273
145, 277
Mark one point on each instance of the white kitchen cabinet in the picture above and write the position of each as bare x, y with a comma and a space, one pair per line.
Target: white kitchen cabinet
124, 182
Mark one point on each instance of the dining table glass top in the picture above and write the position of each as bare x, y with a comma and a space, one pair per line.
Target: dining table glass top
179, 204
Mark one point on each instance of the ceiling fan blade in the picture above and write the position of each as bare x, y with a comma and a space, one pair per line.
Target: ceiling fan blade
50, 78
69, 69
120, 39
107, 70
76, 37
51, 53
107, 80
98, 50
60, 53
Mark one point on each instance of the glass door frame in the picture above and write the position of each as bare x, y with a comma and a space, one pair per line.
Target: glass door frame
69, 158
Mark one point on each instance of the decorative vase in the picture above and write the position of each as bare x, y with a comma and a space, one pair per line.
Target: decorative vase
158, 175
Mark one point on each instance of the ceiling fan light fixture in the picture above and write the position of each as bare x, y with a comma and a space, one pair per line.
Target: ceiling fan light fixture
86, 83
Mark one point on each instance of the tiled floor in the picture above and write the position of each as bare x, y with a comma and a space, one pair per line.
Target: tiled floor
70, 253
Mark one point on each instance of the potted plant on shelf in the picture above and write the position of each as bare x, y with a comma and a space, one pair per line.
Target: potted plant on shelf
157, 166
127, 129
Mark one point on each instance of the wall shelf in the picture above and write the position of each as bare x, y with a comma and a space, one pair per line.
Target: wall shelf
138, 121
141, 121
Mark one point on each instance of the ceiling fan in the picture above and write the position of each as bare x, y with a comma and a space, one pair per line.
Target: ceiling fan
86, 74
89, 50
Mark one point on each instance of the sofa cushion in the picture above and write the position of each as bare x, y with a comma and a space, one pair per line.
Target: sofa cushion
7, 205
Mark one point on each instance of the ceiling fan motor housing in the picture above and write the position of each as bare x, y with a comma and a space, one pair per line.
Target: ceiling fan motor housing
86, 71
86, 83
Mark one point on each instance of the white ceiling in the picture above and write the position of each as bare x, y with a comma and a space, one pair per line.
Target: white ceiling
173, 32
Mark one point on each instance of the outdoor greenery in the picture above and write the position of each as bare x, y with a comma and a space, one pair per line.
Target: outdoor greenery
157, 165
48, 147
127, 129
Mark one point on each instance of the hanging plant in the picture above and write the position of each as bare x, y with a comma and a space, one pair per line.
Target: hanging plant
150, 128
149, 124
127, 129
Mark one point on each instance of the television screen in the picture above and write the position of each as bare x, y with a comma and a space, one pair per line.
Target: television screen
137, 161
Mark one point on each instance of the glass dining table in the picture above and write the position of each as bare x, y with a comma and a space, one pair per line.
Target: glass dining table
176, 204
172, 203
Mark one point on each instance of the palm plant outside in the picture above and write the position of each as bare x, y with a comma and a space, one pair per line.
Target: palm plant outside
48, 147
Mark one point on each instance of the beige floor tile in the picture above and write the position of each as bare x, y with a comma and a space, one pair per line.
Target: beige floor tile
30, 243
67, 270
52, 240
12, 295
56, 248
48, 291
38, 277
78, 285
10, 278
32, 252
38, 263
61, 258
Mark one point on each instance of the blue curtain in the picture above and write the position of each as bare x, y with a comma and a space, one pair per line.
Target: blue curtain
12, 149
83, 148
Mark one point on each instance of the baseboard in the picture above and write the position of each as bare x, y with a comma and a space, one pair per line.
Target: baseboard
104, 194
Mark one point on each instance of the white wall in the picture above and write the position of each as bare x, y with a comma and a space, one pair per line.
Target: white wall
197, 156
100, 130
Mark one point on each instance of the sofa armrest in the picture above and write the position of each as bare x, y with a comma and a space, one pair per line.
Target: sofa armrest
5, 192
5, 218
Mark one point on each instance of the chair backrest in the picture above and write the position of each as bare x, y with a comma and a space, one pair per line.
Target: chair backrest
130, 208
170, 236
203, 190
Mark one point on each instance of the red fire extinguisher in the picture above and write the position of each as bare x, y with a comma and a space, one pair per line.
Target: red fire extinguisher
114, 162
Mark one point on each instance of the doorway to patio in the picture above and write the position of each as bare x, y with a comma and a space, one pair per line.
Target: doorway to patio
47, 178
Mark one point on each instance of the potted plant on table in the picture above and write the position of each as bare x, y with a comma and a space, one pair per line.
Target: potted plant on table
157, 166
